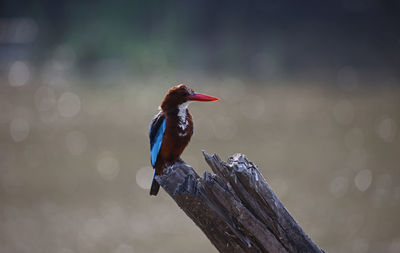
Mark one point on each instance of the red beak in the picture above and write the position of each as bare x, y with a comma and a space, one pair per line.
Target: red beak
202, 97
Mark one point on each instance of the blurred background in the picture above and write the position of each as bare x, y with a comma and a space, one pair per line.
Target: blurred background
310, 92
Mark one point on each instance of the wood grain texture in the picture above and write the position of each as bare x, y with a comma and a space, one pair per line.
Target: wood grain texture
235, 207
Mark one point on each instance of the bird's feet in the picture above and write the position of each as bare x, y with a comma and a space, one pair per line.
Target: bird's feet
171, 163
180, 160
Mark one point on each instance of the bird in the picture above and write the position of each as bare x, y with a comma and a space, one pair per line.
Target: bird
171, 129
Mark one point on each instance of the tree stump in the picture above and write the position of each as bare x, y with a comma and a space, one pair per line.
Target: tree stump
235, 207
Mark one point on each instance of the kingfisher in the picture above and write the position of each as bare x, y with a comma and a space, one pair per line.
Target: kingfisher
171, 129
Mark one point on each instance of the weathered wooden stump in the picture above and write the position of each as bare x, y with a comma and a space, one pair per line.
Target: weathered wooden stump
235, 207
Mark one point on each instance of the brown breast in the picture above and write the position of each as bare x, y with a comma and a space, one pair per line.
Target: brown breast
178, 132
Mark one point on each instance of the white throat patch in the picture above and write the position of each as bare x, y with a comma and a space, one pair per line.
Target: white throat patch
183, 123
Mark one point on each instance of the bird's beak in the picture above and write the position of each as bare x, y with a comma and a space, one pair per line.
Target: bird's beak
202, 97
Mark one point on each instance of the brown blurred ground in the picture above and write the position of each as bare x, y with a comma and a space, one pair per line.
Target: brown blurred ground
74, 163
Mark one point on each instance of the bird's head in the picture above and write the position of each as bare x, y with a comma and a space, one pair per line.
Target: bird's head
181, 94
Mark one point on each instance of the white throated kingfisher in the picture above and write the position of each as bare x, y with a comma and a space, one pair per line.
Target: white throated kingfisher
171, 129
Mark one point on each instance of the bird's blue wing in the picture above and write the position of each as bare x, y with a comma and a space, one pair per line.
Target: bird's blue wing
156, 134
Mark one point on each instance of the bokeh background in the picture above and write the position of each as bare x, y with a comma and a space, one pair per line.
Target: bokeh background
310, 92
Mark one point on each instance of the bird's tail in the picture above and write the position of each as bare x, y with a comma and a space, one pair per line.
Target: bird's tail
155, 186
